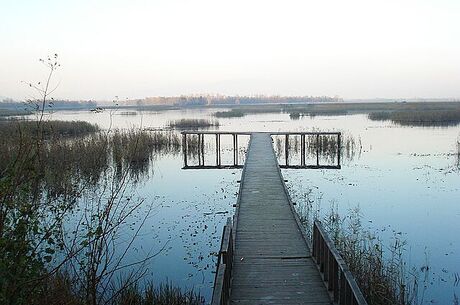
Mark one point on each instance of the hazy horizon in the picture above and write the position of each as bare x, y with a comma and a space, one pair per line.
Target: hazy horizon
137, 49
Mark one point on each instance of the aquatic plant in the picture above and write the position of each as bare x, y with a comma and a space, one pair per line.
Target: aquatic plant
427, 117
380, 268
193, 123
233, 113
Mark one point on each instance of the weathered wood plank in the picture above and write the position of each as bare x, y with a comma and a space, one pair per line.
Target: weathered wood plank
272, 262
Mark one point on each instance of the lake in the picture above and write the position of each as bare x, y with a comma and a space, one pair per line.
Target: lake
405, 181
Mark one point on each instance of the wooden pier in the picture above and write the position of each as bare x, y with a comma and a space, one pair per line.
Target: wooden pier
272, 263
265, 255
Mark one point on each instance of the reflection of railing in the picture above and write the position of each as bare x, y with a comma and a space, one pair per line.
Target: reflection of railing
222, 281
340, 281
200, 143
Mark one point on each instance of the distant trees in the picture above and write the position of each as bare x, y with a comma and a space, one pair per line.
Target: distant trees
201, 100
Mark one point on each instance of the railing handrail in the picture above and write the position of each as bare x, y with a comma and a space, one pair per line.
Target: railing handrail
335, 272
248, 133
222, 281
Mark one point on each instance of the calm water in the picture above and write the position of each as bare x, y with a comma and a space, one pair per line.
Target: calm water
403, 179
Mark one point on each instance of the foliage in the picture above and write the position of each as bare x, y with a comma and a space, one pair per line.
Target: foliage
48, 171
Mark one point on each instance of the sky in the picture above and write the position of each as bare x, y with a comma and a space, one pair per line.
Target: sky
135, 49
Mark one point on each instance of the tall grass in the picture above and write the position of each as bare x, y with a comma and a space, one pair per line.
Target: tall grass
61, 289
193, 123
67, 161
233, 113
9, 112
430, 117
166, 294
379, 267
15, 128
42, 181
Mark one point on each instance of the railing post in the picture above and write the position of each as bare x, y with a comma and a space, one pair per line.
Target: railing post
218, 137
302, 148
217, 149
339, 150
236, 151
184, 148
317, 149
286, 149
202, 148
199, 148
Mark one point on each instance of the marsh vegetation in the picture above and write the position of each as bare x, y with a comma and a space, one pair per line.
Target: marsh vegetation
380, 268
419, 118
193, 123
410, 114
66, 193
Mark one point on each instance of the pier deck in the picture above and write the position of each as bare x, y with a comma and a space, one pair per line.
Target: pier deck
272, 263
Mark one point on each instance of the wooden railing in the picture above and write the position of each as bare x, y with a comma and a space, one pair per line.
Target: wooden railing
303, 146
200, 136
222, 281
340, 282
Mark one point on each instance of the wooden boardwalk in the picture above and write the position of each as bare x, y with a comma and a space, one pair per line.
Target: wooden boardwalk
272, 262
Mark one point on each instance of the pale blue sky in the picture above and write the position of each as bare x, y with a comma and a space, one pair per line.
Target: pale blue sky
354, 49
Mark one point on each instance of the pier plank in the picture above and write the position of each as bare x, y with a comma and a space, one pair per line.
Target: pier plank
272, 262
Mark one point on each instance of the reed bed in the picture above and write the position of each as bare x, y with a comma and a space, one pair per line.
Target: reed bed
233, 113
10, 112
193, 123
45, 179
14, 129
419, 117
166, 294
60, 289
65, 161
379, 268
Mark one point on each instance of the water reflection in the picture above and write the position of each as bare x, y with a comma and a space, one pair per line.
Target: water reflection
395, 189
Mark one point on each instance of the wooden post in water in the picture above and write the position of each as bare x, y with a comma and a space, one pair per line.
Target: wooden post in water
235, 149
199, 148
217, 149
202, 149
302, 148
184, 148
317, 150
286, 149
339, 149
